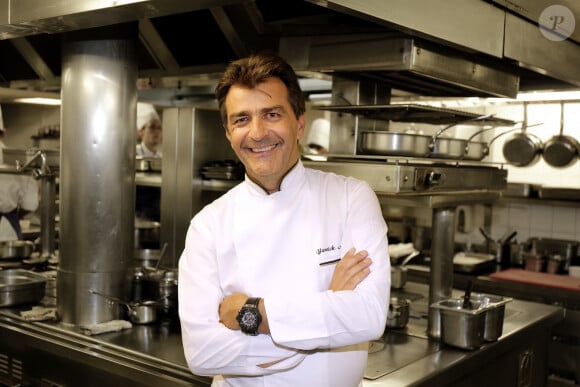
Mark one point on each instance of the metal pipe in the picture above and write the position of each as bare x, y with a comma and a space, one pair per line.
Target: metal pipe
47, 213
97, 174
442, 249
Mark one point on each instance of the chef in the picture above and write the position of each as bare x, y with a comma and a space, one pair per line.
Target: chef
18, 195
149, 131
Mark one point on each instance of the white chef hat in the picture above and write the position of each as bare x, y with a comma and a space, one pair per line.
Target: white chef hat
319, 133
145, 113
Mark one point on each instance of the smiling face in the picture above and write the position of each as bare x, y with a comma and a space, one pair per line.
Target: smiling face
263, 131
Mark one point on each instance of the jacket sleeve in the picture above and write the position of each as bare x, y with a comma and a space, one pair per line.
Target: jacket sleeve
333, 319
210, 348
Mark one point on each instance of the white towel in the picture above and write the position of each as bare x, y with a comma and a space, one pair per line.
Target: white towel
39, 313
109, 326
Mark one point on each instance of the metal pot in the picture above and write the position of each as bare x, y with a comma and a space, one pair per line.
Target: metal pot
398, 277
144, 312
394, 144
561, 150
398, 313
16, 249
523, 149
147, 233
451, 148
477, 150
146, 257
446, 147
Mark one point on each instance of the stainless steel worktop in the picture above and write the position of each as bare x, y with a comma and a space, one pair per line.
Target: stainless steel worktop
149, 355
409, 358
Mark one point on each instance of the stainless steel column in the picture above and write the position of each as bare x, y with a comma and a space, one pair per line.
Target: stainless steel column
442, 249
97, 176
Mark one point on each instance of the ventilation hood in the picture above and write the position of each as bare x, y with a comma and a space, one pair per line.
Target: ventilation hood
424, 47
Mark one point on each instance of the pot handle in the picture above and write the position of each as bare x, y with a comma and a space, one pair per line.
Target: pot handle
478, 118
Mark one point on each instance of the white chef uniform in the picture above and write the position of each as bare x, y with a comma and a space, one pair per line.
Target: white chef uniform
16, 191
142, 151
284, 247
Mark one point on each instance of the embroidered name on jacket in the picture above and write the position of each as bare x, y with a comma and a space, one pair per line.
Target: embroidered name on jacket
328, 255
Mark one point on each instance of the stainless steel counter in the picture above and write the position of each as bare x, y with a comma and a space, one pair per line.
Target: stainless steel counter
408, 357
152, 355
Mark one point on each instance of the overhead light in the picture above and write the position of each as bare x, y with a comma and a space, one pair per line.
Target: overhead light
39, 101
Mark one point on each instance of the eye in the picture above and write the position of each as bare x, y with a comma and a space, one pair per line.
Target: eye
273, 115
240, 121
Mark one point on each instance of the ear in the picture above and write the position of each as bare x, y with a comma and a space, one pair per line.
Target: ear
301, 126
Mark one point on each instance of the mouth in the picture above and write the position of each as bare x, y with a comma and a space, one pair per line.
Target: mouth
263, 149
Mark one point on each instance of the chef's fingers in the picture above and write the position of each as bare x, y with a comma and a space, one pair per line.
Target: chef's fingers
351, 270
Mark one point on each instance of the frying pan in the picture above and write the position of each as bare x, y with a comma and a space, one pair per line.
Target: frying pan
561, 150
394, 144
523, 149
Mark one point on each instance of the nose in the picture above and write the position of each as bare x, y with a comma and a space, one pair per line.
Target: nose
258, 129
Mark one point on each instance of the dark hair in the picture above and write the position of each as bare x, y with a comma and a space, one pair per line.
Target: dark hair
255, 69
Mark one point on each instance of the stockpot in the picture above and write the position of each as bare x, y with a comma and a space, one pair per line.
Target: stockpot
561, 150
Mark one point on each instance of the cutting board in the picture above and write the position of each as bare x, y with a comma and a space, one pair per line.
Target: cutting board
536, 278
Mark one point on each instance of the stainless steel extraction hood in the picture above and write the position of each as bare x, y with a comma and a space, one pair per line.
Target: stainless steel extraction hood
405, 63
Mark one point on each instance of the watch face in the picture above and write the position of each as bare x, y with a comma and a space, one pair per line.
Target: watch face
249, 318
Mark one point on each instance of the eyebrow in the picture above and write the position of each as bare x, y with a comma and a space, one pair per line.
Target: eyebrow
262, 111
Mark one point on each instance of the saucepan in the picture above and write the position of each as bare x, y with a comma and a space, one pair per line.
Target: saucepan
142, 312
561, 150
477, 150
399, 271
451, 148
385, 143
523, 149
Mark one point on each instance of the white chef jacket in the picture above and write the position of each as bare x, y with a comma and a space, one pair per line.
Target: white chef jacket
142, 151
283, 247
16, 191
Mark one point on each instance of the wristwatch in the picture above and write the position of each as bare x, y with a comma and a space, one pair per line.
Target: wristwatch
249, 316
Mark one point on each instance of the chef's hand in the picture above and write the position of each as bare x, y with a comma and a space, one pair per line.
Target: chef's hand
351, 270
231, 305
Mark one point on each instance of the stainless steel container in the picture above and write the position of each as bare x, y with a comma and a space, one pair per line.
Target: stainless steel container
398, 277
19, 287
398, 313
494, 314
461, 327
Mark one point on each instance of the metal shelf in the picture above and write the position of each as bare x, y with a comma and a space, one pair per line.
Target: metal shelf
417, 113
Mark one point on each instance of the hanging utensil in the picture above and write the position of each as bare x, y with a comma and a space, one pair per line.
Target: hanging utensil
523, 149
561, 150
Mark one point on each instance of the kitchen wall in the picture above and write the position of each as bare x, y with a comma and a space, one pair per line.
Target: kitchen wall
24, 120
